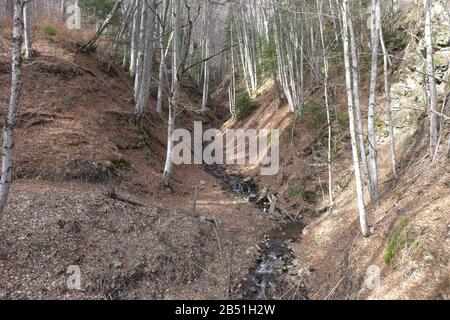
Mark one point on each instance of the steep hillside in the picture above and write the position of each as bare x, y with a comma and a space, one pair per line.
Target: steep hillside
410, 241
87, 192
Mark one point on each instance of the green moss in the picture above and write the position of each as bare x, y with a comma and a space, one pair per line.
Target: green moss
244, 106
49, 31
305, 180
309, 196
341, 118
292, 192
379, 123
403, 236
121, 144
396, 38
313, 115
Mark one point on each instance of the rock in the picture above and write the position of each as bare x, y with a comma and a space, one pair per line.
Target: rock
305, 230
295, 262
278, 264
302, 273
293, 271
116, 264
428, 258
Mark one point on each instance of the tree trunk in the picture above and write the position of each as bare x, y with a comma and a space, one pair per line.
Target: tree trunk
431, 80
173, 103
26, 32
348, 81
144, 91
327, 105
372, 100
87, 46
205, 56
357, 107
140, 52
135, 39
8, 127
387, 94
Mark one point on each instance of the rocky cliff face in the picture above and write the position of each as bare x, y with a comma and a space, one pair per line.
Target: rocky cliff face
408, 91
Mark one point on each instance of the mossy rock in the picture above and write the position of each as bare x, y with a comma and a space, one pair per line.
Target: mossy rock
309, 196
121, 163
121, 144
402, 237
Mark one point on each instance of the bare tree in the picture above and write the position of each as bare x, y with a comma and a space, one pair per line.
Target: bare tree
387, 97
372, 97
355, 157
16, 86
431, 79
146, 69
135, 38
319, 4
26, 31
88, 45
174, 96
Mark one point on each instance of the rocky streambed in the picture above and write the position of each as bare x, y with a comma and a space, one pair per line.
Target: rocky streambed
268, 278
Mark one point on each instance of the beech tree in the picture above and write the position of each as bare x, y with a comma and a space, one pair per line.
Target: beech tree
175, 88
374, 29
319, 4
147, 61
16, 88
26, 31
88, 45
348, 82
431, 79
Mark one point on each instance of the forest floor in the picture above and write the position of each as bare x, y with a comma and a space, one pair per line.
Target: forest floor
87, 192
407, 256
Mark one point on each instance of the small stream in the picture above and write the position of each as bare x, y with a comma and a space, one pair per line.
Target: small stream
266, 279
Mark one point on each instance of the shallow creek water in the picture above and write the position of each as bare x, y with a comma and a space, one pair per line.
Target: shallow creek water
266, 279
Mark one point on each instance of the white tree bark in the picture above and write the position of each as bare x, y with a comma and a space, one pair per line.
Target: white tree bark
135, 39
26, 32
387, 96
232, 87
102, 28
163, 56
357, 107
173, 103
205, 57
431, 80
355, 157
144, 90
372, 100
140, 52
8, 127
327, 105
